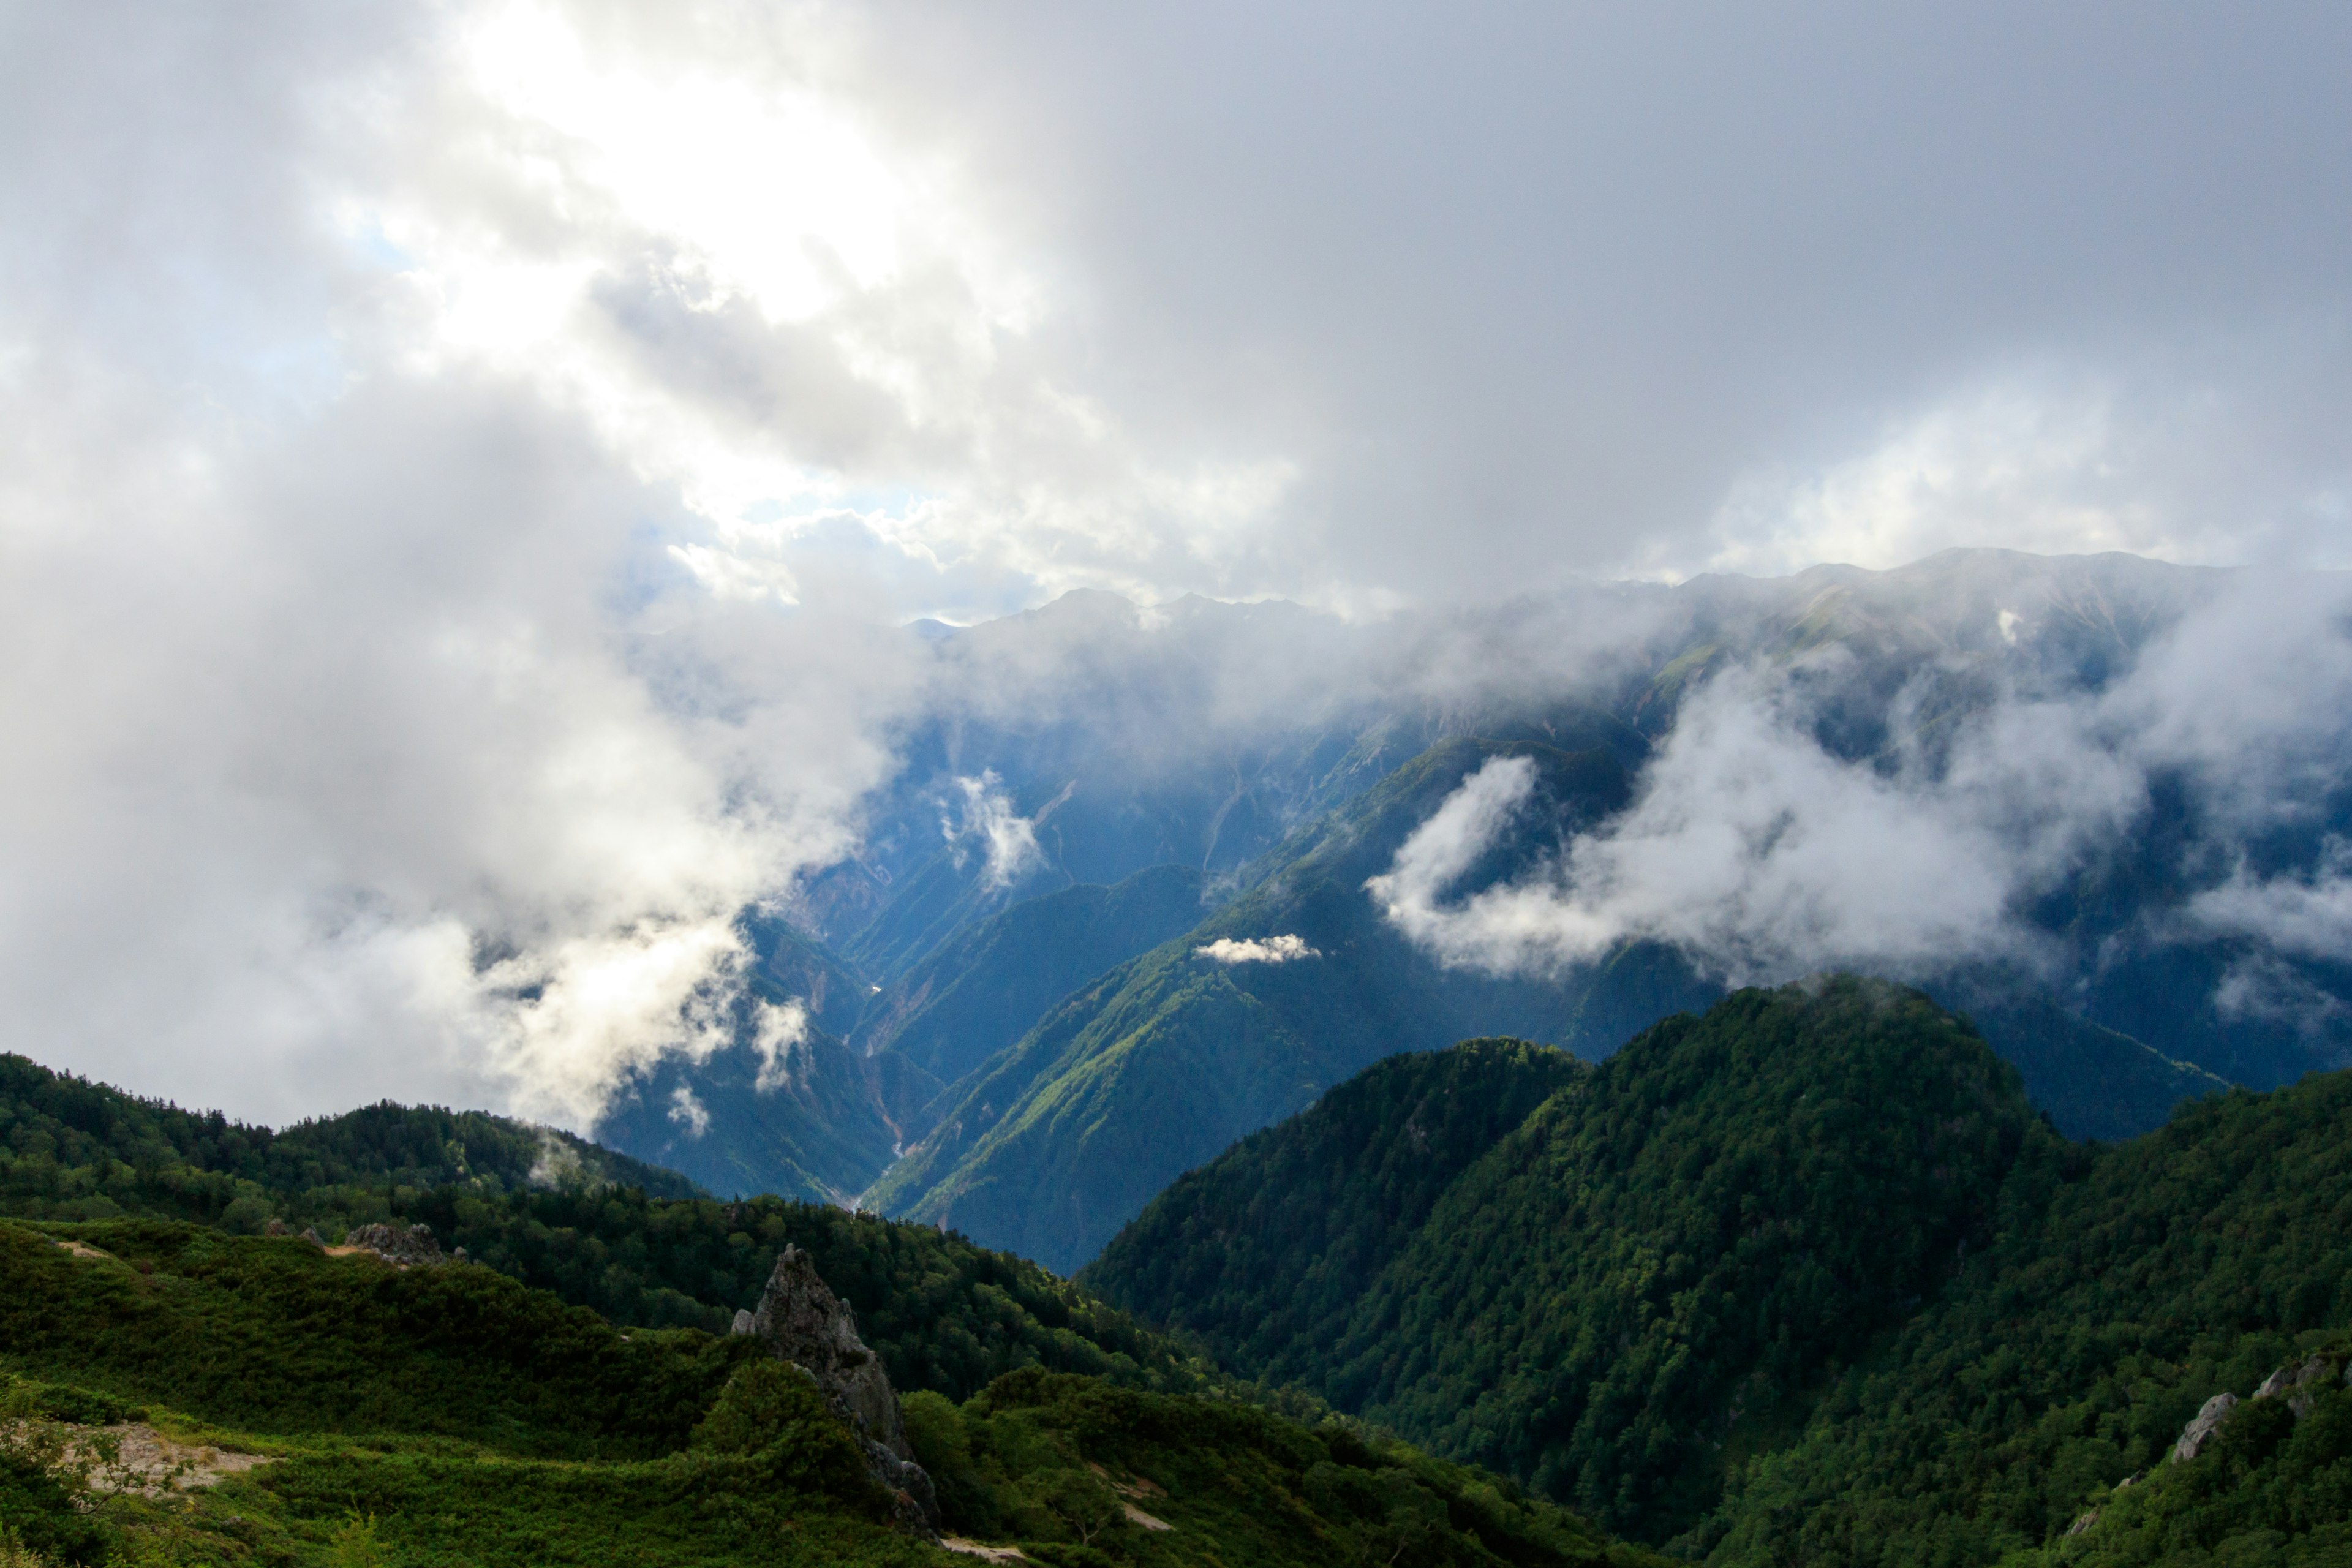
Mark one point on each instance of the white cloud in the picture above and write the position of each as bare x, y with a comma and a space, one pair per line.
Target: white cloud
1284, 949
1760, 855
1008, 840
777, 1034
689, 1112
2307, 913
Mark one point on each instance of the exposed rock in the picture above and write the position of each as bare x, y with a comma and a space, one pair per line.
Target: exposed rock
310, 1234
803, 1322
2209, 1420
2291, 1380
2083, 1523
410, 1246
744, 1322
143, 1461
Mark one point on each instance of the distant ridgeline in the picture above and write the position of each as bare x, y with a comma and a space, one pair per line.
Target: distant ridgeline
1803, 1279
1028, 1048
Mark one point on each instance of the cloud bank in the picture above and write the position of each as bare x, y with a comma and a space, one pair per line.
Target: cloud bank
1760, 854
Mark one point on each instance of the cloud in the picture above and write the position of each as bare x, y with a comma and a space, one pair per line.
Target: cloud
2302, 912
1008, 840
1762, 854
776, 1034
461, 467
689, 1112
1284, 949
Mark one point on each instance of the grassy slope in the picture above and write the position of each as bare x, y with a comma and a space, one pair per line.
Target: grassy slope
450, 1416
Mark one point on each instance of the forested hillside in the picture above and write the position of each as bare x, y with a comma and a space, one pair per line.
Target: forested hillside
1804, 1280
1262, 1253
942, 1313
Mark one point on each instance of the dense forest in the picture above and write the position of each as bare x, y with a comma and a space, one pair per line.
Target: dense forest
1802, 1280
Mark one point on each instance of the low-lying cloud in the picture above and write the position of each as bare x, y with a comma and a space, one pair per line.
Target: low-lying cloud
1284, 949
1006, 839
1760, 855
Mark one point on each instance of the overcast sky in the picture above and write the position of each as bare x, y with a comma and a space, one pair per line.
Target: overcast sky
373, 379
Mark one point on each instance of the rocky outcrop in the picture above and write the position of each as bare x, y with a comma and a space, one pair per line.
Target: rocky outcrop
2294, 1382
410, 1246
803, 1322
2194, 1436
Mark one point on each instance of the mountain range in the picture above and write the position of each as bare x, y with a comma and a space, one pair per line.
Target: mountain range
1026, 1035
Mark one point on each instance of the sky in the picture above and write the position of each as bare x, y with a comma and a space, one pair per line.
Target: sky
461, 464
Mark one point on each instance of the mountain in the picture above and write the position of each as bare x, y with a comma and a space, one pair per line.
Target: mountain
1731, 1202
1804, 1280
71, 1149
1155, 1067
1260, 1254
1047, 1147
982, 989
802, 1117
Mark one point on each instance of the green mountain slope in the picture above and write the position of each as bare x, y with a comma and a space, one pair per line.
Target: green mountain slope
1262, 1253
1716, 1215
1806, 1280
70, 1149
984, 988
447, 1416
2128, 1286
942, 1313
1053, 1144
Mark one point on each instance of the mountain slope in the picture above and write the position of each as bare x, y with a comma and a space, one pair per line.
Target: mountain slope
1716, 1215
71, 1149
350, 1411
982, 989
1154, 1067
803, 1117
1717, 1286
1262, 1253
941, 1314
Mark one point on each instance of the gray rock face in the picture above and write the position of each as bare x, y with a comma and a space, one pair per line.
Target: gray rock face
744, 1322
2292, 1382
803, 1322
2209, 1420
410, 1246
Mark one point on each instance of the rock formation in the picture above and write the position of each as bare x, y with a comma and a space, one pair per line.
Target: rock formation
410, 1246
803, 1322
2209, 1420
